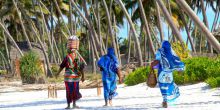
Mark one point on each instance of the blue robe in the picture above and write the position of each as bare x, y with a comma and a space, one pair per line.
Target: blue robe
109, 65
169, 62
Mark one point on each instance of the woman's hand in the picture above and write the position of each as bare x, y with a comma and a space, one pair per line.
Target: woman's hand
57, 74
120, 81
82, 79
154, 63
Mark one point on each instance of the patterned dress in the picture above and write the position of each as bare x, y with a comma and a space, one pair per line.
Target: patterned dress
169, 62
72, 76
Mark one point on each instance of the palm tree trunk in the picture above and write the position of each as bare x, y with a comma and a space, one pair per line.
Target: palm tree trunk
170, 12
170, 21
32, 27
93, 61
159, 22
116, 40
88, 25
7, 52
61, 15
143, 16
200, 44
48, 35
110, 29
11, 39
49, 71
213, 41
129, 47
99, 26
187, 31
206, 23
155, 36
92, 27
22, 25
216, 18
106, 39
134, 32
70, 18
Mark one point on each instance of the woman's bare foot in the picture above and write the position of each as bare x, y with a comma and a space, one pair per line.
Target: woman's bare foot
68, 106
74, 105
106, 103
164, 104
110, 102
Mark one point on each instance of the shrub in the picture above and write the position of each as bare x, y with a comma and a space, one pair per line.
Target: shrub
197, 69
213, 69
138, 76
54, 68
178, 77
212, 82
30, 67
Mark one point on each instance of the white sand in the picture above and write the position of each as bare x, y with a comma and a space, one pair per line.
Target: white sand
193, 97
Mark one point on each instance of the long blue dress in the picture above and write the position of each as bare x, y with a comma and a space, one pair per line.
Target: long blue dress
169, 62
109, 65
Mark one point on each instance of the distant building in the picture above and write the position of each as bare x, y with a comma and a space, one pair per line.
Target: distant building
15, 55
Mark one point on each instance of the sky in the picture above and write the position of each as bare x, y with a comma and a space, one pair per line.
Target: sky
123, 31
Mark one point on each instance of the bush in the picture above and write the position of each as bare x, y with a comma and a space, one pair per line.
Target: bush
138, 76
212, 82
178, 77
54, 68
197, 69
30, 66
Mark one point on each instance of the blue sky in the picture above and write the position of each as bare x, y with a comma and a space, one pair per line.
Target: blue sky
123, 31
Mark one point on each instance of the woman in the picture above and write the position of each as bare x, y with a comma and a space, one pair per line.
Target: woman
74, 69
109, 66
167, 61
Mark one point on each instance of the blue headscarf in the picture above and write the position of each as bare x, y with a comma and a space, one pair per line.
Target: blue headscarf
111, 54
169, 58
109, 62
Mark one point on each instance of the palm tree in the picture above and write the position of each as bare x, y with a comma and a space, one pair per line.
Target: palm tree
110, 28
11, 38
89, 27
213, 41
22, 25
159, 22
143, 16
206, 22
134, 32
169, 20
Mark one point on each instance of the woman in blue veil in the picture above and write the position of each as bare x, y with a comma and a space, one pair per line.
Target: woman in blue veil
167, 62
110, 70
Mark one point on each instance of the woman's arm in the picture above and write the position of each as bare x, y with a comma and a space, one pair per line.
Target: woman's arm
119, 75
57, 74
83, 78
154, 63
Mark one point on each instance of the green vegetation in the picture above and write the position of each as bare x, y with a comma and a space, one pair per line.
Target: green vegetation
183, 53
31, 70
197, 69
138, 76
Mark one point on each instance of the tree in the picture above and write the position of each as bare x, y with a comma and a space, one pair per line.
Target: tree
143, 16
214, 42
134, 32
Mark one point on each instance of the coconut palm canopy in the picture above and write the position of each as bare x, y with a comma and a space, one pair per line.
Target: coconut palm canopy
98, 23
